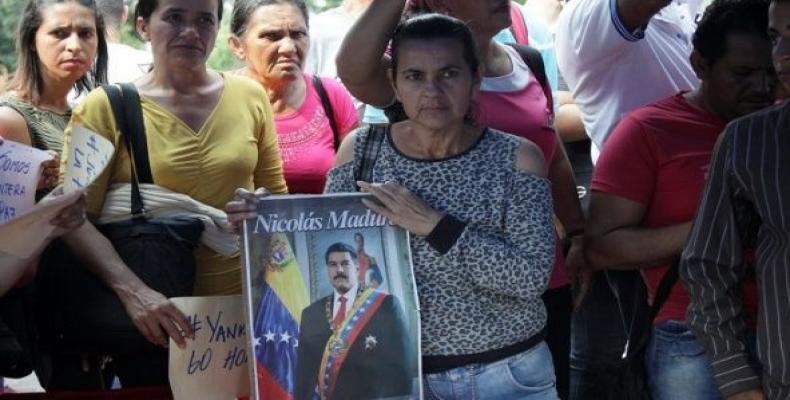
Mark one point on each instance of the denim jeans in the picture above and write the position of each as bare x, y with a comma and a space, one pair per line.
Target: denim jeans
677, 365
528, 375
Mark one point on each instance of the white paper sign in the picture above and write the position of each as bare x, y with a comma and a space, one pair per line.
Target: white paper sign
20, 168
214, 364
88, 155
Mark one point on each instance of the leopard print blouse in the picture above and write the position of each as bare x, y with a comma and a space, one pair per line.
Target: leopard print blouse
485, 292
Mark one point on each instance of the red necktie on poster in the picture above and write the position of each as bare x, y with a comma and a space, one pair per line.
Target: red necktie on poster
341, 313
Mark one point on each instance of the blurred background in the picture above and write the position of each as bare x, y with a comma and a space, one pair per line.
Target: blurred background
221, 58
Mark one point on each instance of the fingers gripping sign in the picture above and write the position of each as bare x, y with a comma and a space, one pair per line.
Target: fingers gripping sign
157, 318
244, 205
401, 206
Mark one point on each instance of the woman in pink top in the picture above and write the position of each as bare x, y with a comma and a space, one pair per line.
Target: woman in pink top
271, 36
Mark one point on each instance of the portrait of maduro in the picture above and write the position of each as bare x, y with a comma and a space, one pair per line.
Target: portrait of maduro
332, 302
352, 342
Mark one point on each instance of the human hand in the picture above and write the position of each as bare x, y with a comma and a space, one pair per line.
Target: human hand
401, 206
244, 205
156, 317
579, 271
69, 218
754, 394
49, 171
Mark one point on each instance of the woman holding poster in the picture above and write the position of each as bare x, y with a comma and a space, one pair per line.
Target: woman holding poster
478, 206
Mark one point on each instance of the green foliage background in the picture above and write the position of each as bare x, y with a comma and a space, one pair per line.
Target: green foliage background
221, 58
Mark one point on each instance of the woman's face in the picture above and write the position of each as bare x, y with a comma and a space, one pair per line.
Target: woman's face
181, 32
275, 43
66, 41
482, 16
434, 82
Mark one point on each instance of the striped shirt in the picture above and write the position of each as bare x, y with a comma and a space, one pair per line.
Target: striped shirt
746, 205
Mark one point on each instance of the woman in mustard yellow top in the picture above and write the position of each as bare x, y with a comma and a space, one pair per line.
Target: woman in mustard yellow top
207, 134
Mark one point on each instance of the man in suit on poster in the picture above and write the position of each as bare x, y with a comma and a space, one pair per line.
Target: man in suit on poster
353, 343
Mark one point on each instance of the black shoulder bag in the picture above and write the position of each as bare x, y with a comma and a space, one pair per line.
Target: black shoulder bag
627, 378
328, 110
79, 314
363, 169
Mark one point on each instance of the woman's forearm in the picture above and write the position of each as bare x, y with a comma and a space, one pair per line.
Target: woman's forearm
361, 63
567, 206
99, 256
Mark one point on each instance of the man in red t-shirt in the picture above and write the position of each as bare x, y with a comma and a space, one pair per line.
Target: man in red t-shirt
650, 176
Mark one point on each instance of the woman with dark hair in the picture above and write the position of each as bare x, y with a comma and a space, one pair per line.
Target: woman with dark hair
60, 46
478, 207
511, 99
311, 114
207, 133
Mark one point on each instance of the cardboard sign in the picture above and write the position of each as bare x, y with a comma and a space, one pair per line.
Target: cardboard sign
213, 365
20, 169
88, 155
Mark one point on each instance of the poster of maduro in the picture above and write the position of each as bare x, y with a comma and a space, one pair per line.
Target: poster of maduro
330, 296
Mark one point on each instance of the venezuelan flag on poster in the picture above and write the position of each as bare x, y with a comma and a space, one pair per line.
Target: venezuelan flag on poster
277, 322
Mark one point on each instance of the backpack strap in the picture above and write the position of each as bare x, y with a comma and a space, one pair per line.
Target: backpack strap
125, 104
371, 147
518, 27
534, 62
327, 106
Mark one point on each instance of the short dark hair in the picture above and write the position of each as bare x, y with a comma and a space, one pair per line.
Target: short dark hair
243, 10
340, 248
725, 17
435, 26
145, 8
112, 11
27, 78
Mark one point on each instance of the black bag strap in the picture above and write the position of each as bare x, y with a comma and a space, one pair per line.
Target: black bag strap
327, 106
125, 104
668, 281
534, 61
370, 151
663, 290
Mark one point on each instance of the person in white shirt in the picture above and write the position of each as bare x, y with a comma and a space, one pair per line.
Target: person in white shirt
327, 31
124, 62
617, 55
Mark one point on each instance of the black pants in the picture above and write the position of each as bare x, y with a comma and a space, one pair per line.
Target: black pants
559, 305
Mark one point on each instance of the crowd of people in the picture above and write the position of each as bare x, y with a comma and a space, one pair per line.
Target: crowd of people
593, 188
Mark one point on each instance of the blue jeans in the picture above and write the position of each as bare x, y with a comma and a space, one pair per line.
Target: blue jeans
528, 375
677, 365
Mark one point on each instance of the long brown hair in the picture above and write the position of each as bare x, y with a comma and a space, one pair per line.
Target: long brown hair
27, 78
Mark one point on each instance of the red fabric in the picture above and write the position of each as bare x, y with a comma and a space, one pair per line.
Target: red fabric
268, 388
517, 24
341, 312
306, 140
659, 156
